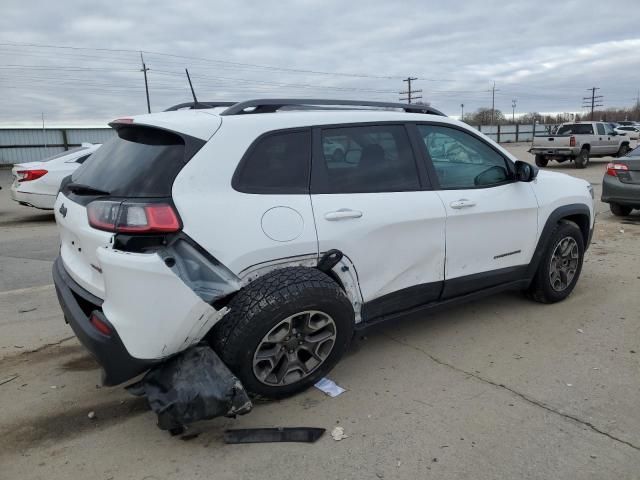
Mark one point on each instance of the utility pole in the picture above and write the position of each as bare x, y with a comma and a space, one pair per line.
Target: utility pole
493, 102
513, 112
44, 132
462, 112
146, 84
593, 101
410, 94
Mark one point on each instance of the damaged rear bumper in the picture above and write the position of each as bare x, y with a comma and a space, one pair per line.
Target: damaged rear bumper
77, 304
155, 305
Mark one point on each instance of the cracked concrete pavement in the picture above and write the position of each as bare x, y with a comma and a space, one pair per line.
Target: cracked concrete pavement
499, 388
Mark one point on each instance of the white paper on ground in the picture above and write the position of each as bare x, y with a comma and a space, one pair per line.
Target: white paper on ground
329, 387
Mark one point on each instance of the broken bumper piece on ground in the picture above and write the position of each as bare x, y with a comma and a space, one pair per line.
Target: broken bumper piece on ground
191, 386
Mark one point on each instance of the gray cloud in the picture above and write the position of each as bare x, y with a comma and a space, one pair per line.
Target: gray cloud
545, 54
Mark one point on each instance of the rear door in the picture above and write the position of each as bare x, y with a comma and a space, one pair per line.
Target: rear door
373, 202
612, 140
492, 220
599, 145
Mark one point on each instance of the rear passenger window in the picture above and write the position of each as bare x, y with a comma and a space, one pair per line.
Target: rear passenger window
276, 163
373, 158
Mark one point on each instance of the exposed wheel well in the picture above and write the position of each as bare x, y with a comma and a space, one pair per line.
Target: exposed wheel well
586, 147
582, 221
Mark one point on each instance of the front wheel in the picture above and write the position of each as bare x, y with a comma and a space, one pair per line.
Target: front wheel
560, 265
285, 331
541, 160
622, 151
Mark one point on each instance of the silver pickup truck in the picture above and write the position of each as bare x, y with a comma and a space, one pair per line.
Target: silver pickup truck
577, 142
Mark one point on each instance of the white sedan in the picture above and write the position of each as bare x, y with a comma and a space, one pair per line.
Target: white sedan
629, 130
36, 184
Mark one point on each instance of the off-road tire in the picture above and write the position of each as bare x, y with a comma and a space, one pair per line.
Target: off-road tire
620, 210
541, 289
623, 150
582, 160
265, 302
541, 160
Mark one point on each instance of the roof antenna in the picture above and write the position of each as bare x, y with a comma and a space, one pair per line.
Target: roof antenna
195, 100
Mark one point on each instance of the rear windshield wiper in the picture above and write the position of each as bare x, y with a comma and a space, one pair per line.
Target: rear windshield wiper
81, 189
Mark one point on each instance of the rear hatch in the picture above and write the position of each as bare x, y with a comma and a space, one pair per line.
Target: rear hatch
140, 165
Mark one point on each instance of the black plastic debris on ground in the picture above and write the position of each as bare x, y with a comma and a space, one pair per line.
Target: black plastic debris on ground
191, 386
265, 435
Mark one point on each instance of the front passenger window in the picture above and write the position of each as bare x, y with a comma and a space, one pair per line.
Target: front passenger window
461, 160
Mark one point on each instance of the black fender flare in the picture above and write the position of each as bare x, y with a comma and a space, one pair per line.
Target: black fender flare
574, 211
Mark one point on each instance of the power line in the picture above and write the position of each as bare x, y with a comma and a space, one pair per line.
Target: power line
227, 62
410, 94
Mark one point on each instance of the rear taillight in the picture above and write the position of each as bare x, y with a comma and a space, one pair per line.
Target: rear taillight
28, 175
133, 217
614, 168
572, 141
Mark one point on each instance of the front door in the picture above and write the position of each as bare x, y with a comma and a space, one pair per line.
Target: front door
492, 220
371, 202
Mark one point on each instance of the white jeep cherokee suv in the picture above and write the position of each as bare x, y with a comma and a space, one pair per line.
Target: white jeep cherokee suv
239, 226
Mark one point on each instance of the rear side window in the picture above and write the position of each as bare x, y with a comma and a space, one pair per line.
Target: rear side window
276, 163
139, 162
363, 159
576, 129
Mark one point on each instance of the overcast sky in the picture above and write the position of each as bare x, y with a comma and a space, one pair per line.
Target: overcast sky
543, 54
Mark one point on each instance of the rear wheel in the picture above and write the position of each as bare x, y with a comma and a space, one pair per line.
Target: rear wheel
285, 331
560, 265
582, 160
619, 210
623, 150
541, 160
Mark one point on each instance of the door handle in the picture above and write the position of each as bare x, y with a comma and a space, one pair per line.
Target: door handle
341, 214
462, 203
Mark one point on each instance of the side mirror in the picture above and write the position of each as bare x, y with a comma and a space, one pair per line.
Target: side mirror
525, 172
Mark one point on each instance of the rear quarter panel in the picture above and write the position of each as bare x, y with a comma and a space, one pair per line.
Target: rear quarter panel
229, 224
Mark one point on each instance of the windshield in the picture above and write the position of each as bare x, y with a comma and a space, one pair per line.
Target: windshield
576, 129
64, 154
139, 162
634, 153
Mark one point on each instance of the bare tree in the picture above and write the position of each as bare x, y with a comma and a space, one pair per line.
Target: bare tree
482, 116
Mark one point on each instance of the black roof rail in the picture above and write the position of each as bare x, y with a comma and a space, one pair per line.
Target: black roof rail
199, 105
270, 105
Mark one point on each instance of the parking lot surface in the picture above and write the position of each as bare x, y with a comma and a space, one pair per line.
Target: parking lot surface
498, 388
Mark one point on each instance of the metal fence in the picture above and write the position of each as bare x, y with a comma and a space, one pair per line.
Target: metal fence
514, 133
20, 145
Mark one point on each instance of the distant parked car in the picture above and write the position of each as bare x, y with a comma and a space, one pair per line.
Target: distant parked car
630, 131
36, 184
621, 184
628, 123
